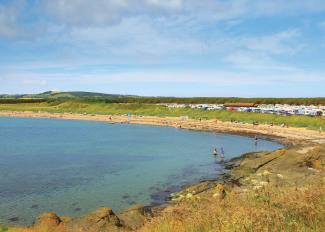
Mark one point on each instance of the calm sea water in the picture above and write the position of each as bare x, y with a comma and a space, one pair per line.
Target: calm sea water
73, 167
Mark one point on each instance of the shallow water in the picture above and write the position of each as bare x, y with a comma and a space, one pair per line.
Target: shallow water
72, 167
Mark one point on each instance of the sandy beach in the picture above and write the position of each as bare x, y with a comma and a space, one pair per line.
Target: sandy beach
289, 135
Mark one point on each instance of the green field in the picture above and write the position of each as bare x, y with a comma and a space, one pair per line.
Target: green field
161, 111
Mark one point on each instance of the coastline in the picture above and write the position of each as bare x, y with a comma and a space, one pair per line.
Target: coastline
291, 135
230, 179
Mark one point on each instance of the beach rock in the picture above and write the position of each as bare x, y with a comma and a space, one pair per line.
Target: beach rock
135, 216
49, 222
48, 219
219, 192
100, 220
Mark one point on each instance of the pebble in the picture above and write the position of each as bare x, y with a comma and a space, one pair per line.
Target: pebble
280, 176
216, 195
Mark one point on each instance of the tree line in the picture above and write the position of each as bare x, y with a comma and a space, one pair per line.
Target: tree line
161, 100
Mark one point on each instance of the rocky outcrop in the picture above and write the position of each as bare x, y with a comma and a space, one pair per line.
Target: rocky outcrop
295, 166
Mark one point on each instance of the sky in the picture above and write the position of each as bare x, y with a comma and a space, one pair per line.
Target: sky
242, 48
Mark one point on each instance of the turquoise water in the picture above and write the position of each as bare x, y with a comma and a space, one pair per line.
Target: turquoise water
72, 167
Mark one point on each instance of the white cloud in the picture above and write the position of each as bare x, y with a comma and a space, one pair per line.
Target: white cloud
137, 38
170, 4
106, 12
262, 52
84, 12
172, 77
8, 20
278, 43
33, 81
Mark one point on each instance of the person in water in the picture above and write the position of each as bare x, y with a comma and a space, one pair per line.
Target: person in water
222, 156
215, 152
255, 140
222, 152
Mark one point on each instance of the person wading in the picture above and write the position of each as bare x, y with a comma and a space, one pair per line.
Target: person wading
255, 140
222, 156
215, 152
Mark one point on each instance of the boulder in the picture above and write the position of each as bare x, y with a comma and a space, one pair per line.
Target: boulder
100, 220
48, 222
135, 216
50, 219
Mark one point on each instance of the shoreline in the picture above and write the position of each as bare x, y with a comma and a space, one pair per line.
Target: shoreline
289, 136
286, 136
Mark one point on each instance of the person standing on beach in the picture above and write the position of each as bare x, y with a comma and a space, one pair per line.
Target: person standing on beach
320, 129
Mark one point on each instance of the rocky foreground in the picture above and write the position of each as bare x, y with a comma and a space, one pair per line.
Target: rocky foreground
283, 190
265, 191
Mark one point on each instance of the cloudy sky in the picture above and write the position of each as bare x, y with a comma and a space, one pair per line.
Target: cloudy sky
164, 47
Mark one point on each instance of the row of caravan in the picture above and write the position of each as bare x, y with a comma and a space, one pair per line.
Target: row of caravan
265, 109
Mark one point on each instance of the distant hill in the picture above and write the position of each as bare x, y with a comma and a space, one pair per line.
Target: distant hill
65, 95
117, 98
77, 94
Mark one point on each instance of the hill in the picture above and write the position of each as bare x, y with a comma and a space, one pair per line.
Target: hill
117, 98
66, 95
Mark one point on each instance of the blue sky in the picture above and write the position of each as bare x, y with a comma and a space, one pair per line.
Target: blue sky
216, 48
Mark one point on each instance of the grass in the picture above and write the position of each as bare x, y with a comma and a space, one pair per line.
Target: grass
3, 229
161, 111
269, 209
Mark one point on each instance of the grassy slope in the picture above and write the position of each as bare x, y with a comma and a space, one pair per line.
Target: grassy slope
270, 209
155, 110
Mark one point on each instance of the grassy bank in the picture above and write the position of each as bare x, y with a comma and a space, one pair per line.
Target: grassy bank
270, 209
161, 111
